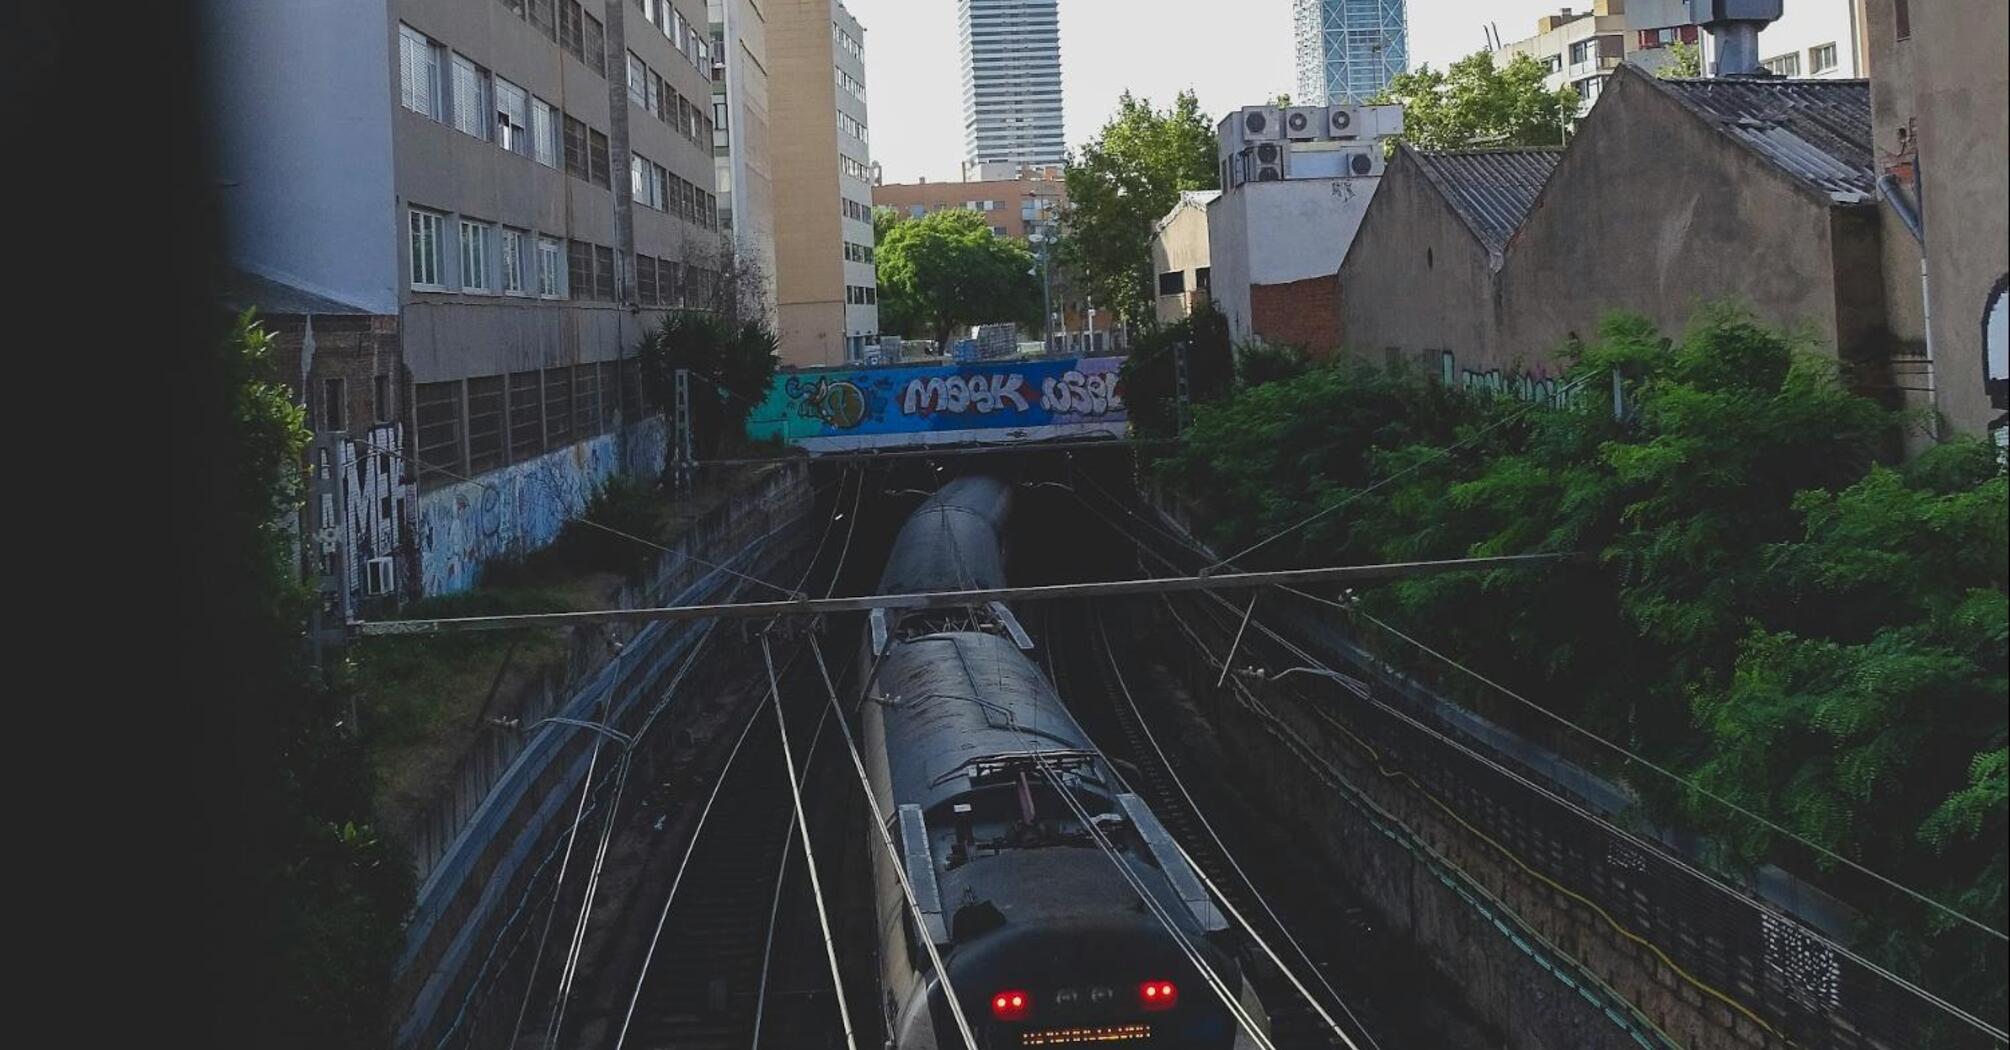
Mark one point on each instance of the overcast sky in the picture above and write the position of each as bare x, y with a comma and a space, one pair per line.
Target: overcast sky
1232, 54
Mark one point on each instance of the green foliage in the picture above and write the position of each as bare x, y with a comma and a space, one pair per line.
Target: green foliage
1771, 613
1475, 103
1684, 60
1127, 178
730, 366
1258, 362
1149, 377
947, 269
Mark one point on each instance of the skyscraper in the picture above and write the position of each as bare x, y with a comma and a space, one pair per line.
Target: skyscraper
1348, 49
1011, 80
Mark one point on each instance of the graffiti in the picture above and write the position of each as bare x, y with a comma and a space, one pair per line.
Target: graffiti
517, 509
983, 394
377, 502
887, 407
1537, 386
1092, 395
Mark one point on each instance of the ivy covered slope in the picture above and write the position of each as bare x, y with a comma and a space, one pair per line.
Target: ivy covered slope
1770, 611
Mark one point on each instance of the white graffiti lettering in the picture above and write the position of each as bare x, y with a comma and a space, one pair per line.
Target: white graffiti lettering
982, 393
1092, 395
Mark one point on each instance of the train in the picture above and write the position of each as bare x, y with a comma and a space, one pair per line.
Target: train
1043, 939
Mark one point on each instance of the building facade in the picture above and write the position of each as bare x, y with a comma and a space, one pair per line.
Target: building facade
1937, 103
826, 287
471, 201
743, 143
1580, 49
1347, 50
1011, 51
1180, 256
1017, 200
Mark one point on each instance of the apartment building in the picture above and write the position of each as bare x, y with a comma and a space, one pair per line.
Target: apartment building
1011, 53
452, 170
1580, 49
1348, 50
1017, 200
743, 144
826, 286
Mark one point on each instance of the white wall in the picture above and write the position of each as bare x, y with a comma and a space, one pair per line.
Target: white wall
1279, 232
302, 95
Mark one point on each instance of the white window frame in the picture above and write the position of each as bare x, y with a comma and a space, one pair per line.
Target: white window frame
511, 246
551, 275
544, 132
425, 229
471, 97
1820, 51
512, 107
638, 80
477, 247
638, 178
419, 72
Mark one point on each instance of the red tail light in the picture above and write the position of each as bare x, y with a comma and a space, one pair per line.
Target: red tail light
1157, 995
1011, 1005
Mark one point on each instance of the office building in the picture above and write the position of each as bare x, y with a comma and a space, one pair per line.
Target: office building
1011, 80
743, 149
1348, 50
826, 286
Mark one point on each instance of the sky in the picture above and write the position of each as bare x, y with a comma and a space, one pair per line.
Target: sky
1231, 55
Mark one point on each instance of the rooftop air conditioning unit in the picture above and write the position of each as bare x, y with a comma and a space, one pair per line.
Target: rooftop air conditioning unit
1344, 122
1259, 123
381, 576
1305, 122
1361, 161
1235, 171
1266, 162
1384, 121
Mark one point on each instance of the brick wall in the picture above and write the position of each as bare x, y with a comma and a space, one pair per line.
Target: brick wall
1303, 313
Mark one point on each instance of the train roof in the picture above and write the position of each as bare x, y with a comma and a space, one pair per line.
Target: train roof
953, 541
961, 696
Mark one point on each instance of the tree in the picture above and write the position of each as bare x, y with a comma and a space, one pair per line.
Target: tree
1475, 103
948, 269
1127, 178
896, 311
1684, 60
730, 366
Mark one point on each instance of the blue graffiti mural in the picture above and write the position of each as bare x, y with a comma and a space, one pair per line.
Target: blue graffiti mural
882, 407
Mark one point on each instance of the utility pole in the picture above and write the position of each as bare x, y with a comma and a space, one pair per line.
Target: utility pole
683, 461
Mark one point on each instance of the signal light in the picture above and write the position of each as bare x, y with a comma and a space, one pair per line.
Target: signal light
1011, 1004
1157, 995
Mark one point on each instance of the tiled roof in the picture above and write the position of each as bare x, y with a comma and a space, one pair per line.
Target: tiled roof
243, 289
1491, 189
1816, 131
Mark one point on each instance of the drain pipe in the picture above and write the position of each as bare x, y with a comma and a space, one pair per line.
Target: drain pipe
1908, 213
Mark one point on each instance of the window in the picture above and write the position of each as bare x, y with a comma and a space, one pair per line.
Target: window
645, 280
1172, 282
544, 132
638, 178
597, 160
1787, 65
851, 126
586, 401
381, 396
1901, 13
669, 283
603, 273
1822, 59
543, 16
575, 148
475, 239
487, 424
419, 72
471, 98
334, 405
914, 211
426, 229
512, 117
550, 269
436, 408
526, 417
512, 262
595, 43
571, 33
579, 269
631, 391
1583, 51
1202, 276
638, 81
558, 407
610, 392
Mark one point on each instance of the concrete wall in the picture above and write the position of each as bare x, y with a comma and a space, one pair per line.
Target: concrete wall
1278, 233
749, 161
302, 98
1181, 245
1652, 212
1938, 102
1417, 281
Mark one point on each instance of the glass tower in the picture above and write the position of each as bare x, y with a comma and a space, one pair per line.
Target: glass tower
1348, 49
1011, 80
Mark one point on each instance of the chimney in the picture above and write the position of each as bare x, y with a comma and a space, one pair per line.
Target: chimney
1734, 27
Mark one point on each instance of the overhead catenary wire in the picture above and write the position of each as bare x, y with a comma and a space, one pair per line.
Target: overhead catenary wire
1124, 690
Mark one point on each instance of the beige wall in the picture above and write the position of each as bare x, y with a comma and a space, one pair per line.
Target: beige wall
1416, 280
1939, 101
1181, 245
809, 245
1652, 212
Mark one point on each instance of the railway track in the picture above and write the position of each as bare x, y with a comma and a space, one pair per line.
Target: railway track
1086, 672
